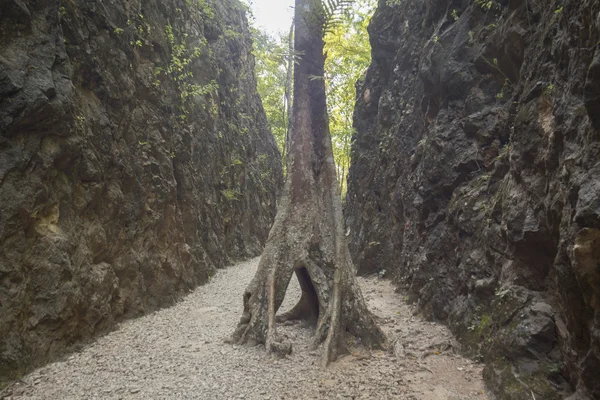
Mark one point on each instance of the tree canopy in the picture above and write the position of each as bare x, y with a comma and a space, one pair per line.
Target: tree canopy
271, 74
348, 56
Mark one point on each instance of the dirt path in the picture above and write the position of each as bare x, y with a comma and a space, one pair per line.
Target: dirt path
179, 353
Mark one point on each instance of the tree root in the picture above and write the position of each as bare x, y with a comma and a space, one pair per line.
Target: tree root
335, 306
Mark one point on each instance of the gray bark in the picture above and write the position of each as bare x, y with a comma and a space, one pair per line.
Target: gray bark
288, 90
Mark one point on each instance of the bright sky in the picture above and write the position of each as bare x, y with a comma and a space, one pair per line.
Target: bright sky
273, 15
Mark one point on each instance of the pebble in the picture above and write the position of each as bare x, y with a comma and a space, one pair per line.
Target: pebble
179, 353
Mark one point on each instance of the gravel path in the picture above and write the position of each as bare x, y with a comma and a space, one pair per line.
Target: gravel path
179, 353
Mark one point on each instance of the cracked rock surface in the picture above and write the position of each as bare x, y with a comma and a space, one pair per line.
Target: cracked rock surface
475, 181
120, 191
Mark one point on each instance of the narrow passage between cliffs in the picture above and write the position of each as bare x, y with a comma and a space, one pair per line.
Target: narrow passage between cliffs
179, 353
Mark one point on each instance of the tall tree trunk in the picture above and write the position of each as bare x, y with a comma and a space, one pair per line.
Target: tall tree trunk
288, 92
307, 237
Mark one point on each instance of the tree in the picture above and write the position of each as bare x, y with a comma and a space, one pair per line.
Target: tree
289, 92
348, 57
271, 75
307, 238
274, 71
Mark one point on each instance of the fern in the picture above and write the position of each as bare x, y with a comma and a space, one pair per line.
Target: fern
327, 13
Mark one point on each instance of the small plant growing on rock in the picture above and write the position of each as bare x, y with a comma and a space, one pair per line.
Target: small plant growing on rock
202, 6
231, 194
486, 4
180, 72
557, 367
505, 87
548, 89
501, 292
80, 123
503, 151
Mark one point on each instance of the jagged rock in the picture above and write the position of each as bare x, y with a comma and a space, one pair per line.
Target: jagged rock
475, 181
135, 158
592, 90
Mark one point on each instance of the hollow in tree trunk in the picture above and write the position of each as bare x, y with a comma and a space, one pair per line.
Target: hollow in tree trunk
307, 238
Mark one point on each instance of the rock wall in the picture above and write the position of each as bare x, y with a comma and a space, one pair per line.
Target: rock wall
135, 158
475, 181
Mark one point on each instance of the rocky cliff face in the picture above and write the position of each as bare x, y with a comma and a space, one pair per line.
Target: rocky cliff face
135, 159
475, 181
